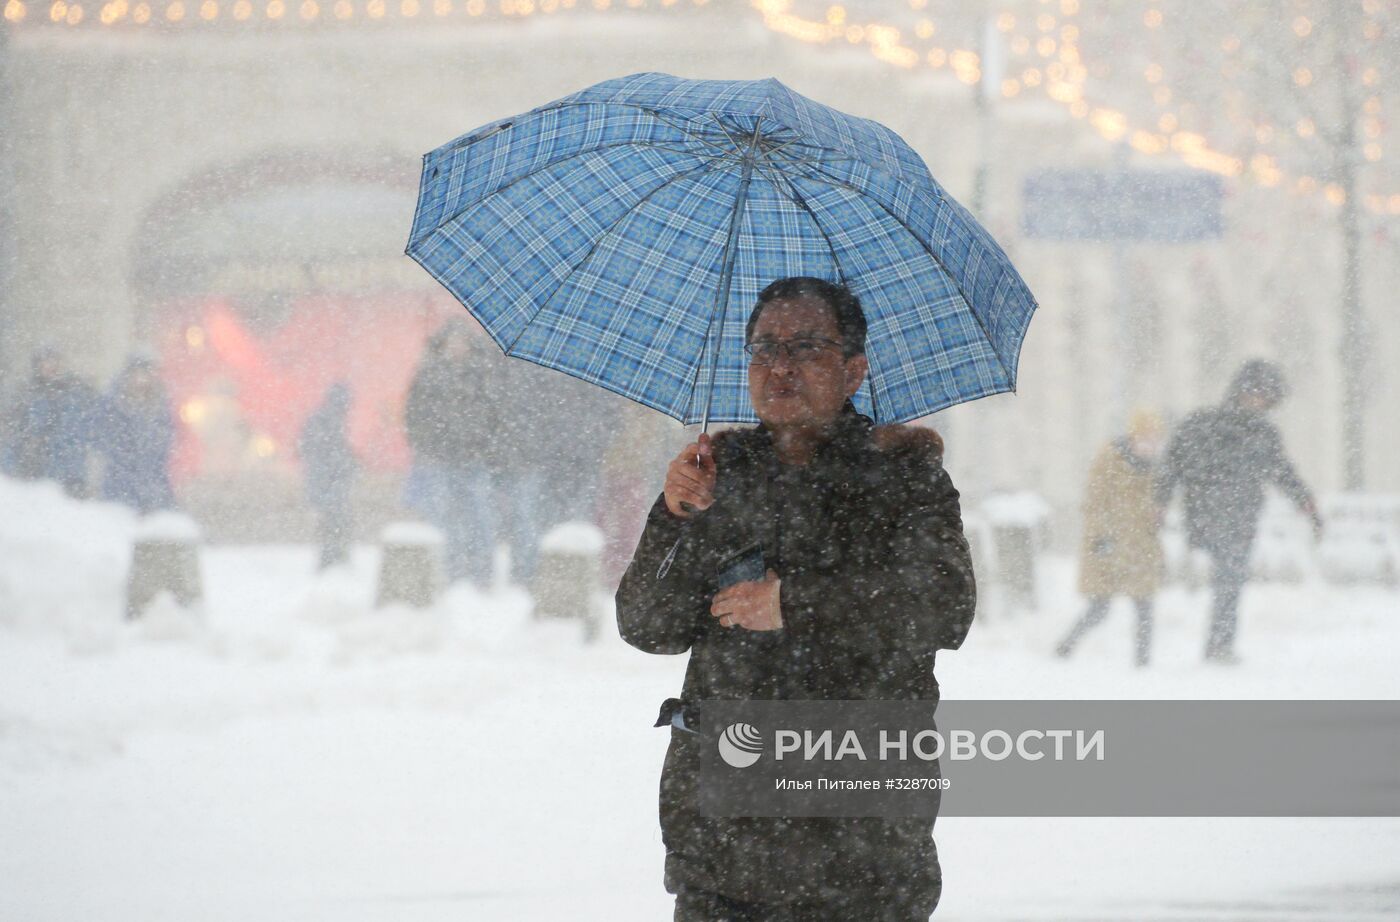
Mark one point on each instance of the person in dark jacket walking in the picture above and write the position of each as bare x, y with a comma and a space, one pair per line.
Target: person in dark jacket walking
328, 472
50, 426
867, 576
1222, 457
449, 421
136, 432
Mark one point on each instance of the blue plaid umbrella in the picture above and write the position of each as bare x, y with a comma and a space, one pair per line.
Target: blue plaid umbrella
622, 235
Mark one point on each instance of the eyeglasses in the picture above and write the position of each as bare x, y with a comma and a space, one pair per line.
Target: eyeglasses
799, 351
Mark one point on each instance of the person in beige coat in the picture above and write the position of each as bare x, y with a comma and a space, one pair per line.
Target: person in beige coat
1120, 554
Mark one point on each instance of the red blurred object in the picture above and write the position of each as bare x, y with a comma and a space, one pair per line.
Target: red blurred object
212, 359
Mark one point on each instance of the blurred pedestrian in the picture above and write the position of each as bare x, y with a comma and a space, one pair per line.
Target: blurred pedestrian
1120, 554
1222, 457
49, 428
328, 471
135, 432
450, 422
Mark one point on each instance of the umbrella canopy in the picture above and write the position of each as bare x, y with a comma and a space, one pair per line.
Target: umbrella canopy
622, 235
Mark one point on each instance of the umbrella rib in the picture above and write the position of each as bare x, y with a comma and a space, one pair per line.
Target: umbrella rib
709, 164
825, 176
801, 202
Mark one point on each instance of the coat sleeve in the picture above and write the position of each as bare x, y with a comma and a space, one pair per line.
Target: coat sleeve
1281, 473
661, 601
919, 599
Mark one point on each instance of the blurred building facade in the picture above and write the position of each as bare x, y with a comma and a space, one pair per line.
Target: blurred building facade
232, 189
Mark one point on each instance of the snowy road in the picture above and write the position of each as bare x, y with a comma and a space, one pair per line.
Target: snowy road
299, 756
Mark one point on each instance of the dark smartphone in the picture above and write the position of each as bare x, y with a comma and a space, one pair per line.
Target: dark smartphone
741, 567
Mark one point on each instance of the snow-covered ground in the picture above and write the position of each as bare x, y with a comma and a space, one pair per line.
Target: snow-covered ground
292, 754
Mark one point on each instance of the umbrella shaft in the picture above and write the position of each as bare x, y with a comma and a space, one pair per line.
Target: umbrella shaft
727, 271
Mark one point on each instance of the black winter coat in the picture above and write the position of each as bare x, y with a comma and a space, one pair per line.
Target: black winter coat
450, 416
1222, 457
876, 576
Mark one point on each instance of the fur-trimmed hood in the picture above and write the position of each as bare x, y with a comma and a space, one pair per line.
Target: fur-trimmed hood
853, 431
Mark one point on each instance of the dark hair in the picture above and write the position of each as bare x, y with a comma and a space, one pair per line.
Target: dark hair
1259, 378
843, 304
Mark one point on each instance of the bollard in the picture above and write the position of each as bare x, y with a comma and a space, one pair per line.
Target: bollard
410, 570
568, 574
1018, 526
164, 558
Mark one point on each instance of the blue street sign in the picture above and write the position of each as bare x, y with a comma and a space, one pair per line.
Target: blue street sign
1123, 206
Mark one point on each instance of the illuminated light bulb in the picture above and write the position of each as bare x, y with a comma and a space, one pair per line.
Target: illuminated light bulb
1369, 76
632, 3
1069, 54
1020, 44
309, 10
1305, 128
375, 9
601, 4
242, 10
276, 9
1010, 88
140, 14
924, 29
836, 15
476, 7
209, 11
75, 14
1371, 31
343, 9
1373, 152
1373, 128
1335, 194
1302, 26
1031, 77
1152, 18
1167, 123
15, 11
917, 4
1045, 46
1069, 34
1231, 44
442, 7
193, 411
108, 14
59, 11
264, 446
1393, 204
971, 77
1045, 22
855, 34
410, 8
1055, 71
936, 57
1372, 106
1006, 22
175, 11
1153, 73
1302, 76
1109, 122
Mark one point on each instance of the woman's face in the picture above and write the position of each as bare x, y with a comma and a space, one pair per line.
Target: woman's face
808, 393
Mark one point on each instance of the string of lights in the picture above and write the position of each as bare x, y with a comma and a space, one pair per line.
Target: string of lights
1043, 51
